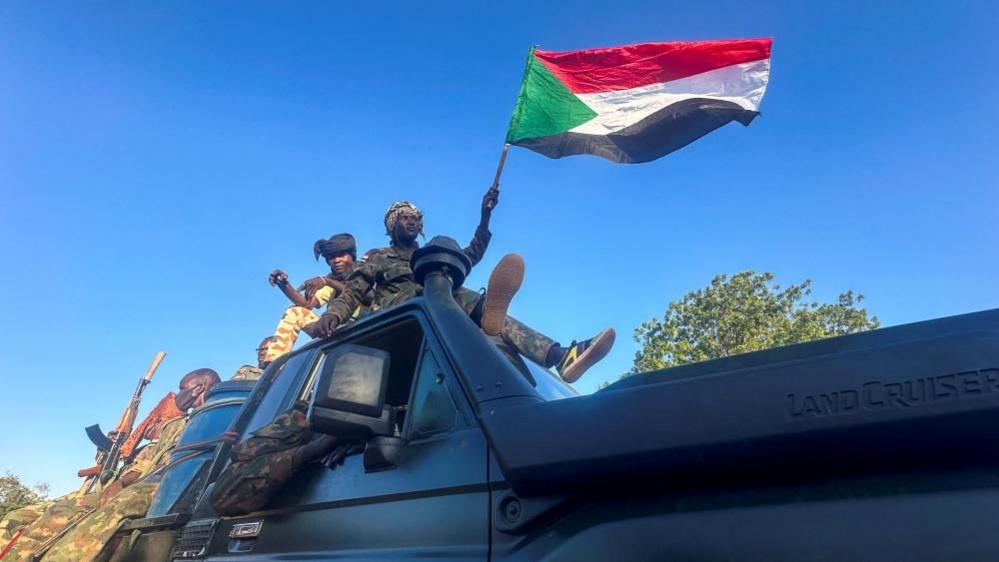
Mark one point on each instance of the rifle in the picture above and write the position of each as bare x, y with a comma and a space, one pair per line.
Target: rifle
109, 450
40, 551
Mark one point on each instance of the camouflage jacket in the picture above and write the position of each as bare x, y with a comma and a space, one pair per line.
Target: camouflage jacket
87, 537
262, 464
388, 274
157, 454
23, 516
247, 373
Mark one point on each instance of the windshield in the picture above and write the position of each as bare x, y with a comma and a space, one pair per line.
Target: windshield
210, 421
548, 384
289, 380
186, 475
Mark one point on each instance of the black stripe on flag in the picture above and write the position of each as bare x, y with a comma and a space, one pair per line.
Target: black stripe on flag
666, 130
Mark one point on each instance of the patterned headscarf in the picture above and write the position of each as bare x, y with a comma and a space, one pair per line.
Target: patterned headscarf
397, 209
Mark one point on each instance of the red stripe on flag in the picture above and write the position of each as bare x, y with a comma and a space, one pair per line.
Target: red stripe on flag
631, 66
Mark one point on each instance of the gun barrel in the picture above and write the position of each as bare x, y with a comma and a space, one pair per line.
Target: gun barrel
110, 450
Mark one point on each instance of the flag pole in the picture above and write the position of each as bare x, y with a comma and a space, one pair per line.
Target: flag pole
517, 110
499, 167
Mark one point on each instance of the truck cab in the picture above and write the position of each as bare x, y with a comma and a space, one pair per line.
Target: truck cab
183, 480
431, 461
871, 446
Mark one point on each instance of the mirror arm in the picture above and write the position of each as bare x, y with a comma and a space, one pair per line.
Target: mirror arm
383, 453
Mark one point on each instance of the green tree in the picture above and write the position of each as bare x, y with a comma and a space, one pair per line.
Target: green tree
740, 313
14, 494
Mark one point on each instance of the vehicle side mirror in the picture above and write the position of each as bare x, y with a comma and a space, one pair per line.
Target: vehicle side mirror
349, 398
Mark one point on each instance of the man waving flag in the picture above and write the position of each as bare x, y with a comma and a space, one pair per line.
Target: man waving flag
638, 102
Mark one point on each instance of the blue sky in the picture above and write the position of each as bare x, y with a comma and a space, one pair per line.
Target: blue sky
157, 160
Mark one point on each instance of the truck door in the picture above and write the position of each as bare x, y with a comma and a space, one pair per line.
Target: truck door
433, 504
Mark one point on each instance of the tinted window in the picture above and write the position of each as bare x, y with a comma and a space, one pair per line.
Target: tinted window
231, 389
176, 480
288, 381
431, 410
211, 420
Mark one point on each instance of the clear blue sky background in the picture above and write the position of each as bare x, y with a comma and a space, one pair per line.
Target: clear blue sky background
157, 160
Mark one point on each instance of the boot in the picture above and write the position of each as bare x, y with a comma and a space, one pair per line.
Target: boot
504, 282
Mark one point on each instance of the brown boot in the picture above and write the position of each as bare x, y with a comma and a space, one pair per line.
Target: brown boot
504, 282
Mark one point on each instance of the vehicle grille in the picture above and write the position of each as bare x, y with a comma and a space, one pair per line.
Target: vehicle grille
193, 540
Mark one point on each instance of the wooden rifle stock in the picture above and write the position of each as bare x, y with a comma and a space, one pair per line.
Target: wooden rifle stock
88, 472
107, 461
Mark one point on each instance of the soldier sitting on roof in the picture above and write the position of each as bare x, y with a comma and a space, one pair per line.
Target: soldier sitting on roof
388, 274
340, 253
251, 373
263, 463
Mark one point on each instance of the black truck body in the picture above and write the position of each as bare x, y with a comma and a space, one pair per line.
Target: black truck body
874, 446
183, 480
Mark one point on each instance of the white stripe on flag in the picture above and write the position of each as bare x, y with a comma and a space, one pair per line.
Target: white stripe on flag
743, 84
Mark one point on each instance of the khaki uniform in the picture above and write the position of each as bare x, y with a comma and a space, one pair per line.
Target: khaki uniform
20, 517
291, 324
86, 538
247, 373
155, 454
297, 317
57, 515
71, 509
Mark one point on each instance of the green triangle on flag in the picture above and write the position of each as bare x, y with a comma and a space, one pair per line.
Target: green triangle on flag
545, 106
636, 103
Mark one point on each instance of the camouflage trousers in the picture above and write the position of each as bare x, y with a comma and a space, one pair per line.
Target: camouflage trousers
87, 538
521, 337
57, 515
288, 329
21, 517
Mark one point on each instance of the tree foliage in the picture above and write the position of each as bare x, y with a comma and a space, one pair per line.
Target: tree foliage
14, 494
740, 313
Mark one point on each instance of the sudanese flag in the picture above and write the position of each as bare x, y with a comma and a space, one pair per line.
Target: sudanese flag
638, 102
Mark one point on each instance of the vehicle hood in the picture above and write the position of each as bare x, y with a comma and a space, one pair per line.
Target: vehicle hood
900, 397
